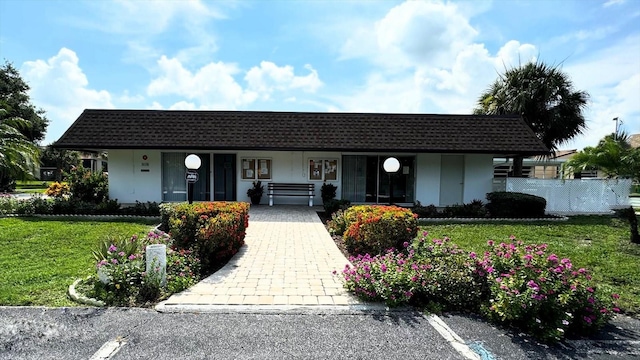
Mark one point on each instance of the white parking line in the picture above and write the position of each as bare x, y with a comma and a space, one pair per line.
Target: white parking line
108, 349
451, 337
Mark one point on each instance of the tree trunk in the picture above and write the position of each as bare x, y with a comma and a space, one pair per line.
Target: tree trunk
517, 166
629, 214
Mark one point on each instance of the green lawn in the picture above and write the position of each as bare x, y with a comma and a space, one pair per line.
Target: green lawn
40, 258
32, 186
600, 244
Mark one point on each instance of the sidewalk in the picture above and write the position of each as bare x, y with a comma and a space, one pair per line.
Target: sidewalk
288, 260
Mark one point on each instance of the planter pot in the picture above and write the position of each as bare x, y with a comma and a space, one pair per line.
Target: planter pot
255, 200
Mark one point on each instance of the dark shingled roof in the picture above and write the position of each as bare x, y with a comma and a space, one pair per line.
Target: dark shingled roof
263, 130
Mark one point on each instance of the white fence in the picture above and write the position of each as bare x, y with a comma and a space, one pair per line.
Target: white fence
575, 196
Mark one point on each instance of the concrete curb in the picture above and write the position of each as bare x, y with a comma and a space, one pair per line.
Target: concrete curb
353, 309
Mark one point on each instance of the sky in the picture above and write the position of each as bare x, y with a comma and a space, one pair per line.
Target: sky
325, 56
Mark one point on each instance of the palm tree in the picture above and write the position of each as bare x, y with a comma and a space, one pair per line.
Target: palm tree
18, 155
544, 97
613, 155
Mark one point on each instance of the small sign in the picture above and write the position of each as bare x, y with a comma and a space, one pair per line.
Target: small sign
191, 176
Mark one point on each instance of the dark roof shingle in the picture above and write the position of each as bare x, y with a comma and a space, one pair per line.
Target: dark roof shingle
262, 130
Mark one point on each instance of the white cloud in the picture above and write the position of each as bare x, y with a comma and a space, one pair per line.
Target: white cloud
613, 2
269, 77
412, 33
60, 87
612, 78
213, 85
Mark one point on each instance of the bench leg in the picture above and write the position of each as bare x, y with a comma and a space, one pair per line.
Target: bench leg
311, 199
270, 199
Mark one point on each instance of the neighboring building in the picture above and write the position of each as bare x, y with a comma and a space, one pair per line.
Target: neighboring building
445, 159
634, 140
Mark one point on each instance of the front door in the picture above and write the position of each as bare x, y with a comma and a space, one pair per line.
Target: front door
451, 179
224, 177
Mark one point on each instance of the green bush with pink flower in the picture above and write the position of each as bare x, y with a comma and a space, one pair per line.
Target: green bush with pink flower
512, 284
122, 279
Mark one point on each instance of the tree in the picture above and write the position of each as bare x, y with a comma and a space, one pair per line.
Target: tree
60, 159
16, 101
544, 96
18, 155
613, 155
21, 127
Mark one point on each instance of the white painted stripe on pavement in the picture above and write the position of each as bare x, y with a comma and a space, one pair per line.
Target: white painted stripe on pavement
452, 338
108, 349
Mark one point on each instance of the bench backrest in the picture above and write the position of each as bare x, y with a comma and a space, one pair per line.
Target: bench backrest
290, 187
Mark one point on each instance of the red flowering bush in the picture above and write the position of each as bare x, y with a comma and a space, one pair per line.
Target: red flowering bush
214, 230
374, 229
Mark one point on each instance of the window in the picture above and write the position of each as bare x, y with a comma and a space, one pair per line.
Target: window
259, 169
323, 169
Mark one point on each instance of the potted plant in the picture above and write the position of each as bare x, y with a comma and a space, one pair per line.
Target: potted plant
255, 192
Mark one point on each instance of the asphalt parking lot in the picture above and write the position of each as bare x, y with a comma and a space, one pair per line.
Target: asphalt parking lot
119, 333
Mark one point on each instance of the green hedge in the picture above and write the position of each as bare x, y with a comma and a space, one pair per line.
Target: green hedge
516, 205
215, 230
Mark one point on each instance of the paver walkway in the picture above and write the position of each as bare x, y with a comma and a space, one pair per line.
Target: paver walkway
288, 259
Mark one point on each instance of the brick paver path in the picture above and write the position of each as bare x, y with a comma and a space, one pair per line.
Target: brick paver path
288, 259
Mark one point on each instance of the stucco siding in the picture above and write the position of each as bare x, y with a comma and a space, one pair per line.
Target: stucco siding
132, 178
478, 175
428, 179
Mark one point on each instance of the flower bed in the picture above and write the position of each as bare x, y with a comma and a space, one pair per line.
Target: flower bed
511, 283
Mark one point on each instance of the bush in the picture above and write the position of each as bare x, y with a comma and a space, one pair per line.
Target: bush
333, 205
122, 263
215, 230
512, 284
514, 204
328, 192
434, 274
87, 186
58, 189
542, 294
374, 229
474, 209
422, 211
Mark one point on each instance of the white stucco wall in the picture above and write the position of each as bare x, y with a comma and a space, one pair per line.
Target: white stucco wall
288, 167
478, 176
128, 182
128, 179
428, 179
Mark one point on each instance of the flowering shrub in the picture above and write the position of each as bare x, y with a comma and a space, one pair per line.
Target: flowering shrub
428, 273
219, 237
541, 293
374, 229
214, 230
121, 264
58, 189
511, 283
87, 186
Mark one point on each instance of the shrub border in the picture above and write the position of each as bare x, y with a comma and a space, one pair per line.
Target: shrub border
437, 220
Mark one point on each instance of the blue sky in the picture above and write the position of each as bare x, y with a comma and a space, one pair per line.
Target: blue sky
368, 56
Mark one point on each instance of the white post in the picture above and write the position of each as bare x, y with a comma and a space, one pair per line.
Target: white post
156, 255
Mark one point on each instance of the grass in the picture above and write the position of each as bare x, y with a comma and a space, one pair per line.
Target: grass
40, 258
599, 243
31, 186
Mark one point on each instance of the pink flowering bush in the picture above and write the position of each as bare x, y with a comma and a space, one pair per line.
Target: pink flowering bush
511, 283
123, 279
431, 273
541, 293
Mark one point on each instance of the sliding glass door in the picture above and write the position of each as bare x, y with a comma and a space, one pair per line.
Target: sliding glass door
364, 179
174, 184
